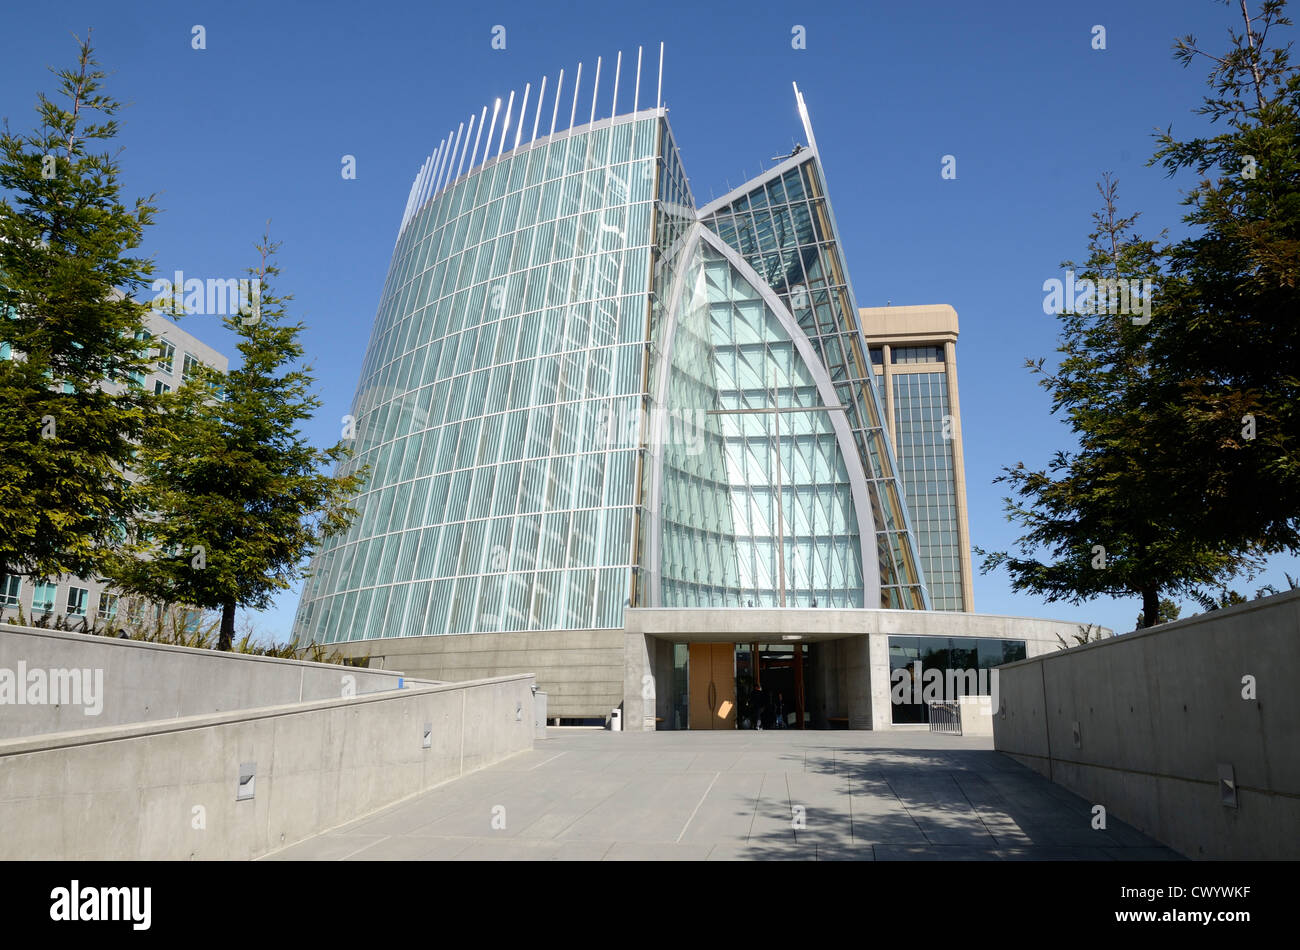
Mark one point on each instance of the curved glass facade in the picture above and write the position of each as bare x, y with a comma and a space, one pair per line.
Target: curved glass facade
782, 225
566, 404
734, 379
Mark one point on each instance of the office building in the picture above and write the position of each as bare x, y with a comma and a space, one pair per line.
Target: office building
85, 602
914, 354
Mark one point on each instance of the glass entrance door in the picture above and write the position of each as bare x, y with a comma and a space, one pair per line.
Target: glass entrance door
770, 686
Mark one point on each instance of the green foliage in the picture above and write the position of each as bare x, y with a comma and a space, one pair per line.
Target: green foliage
1187, 470
1166, 612
238, 497
1107, 514
1230, 331
1088, 632
66, 276
1217, 601
174, 628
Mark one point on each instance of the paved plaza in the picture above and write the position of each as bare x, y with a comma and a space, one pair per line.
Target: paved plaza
858, 796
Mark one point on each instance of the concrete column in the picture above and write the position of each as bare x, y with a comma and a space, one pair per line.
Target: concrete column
857, 681
639, 685
881, 707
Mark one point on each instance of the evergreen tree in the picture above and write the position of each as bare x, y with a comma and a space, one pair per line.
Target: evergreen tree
1229, 333
1167, 613
68, 327
1108, 514
238, 498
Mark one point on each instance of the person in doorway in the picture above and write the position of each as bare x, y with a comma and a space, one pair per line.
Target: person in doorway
758, 706
778, 711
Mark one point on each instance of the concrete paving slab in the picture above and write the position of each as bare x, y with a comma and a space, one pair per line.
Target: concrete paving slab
656, 807
1055, 853
589, 795
580, 850
410, 848
845, 851
725, 812
938, 852
324, 848
656, 851
506, 849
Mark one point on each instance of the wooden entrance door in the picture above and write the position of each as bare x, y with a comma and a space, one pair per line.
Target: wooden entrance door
712, 674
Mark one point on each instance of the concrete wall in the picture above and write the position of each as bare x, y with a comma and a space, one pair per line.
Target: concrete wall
976, 715
143, 682
1159, 713
582, 671
167, 790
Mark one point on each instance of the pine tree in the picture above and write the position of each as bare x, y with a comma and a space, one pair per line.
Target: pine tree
69, 329
238, 498
1109, 514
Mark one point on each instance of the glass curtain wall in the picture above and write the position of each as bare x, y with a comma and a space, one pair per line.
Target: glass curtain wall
783, 230
755, 487
499, 402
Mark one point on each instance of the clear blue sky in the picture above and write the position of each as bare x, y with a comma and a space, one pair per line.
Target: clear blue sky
255, 127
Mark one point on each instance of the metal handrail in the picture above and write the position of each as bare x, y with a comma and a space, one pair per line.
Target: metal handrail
945, 717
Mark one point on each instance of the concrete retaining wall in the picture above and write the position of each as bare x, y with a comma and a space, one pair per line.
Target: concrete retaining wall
142, 682
167, 790
1159, 714
582, 671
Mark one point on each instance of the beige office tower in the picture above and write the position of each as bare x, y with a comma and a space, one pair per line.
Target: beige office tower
914, 357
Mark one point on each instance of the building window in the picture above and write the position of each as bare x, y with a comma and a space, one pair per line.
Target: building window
9, 590
917, 354
877, 356
188, 367
107, 606
137, 379
166, 357
43, 597
926, 669
6, 351
77, 597
159, 387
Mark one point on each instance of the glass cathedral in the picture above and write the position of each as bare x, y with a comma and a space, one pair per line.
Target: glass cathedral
583, 392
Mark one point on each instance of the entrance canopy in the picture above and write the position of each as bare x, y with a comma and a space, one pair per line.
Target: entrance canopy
850, 651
